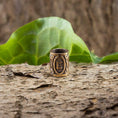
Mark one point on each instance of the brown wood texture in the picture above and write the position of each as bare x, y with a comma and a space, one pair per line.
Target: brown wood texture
90, 91
96, 21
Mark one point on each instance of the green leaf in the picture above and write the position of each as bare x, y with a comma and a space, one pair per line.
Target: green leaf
110, 58
79, 51
95, 58
32, 42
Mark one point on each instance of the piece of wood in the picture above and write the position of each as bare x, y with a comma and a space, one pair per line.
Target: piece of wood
90, 91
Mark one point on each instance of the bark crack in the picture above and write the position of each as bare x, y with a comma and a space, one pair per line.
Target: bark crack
24, 75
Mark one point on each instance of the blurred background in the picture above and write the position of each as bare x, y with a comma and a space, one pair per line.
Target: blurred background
95, 21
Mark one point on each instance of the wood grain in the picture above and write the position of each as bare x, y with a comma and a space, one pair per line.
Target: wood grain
90, 91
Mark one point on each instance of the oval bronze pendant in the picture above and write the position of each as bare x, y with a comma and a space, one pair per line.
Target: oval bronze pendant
59, 62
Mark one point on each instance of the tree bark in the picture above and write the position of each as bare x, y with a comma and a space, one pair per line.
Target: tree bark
89, 91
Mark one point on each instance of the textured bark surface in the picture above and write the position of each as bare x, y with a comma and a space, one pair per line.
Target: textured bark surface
93, 20
90, 91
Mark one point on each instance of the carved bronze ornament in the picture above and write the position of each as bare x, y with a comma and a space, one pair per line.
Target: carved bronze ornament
59, 62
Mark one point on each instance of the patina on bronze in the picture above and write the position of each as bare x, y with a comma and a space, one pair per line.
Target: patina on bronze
59, 62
